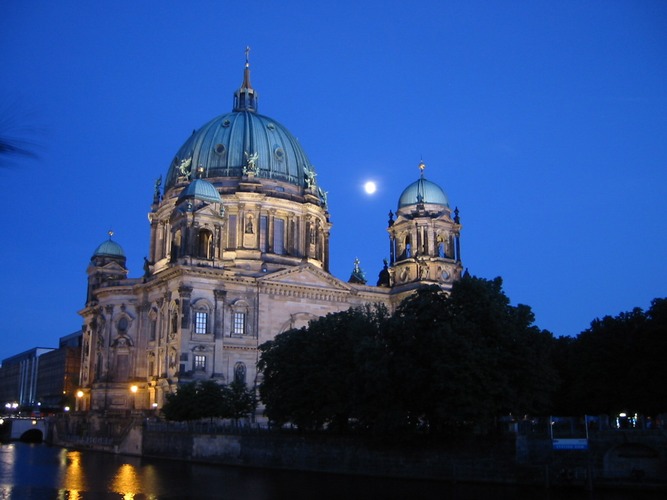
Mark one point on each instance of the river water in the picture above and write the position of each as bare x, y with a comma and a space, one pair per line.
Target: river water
38, 471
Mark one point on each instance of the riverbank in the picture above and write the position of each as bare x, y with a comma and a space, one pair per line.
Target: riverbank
614, 459
42, 471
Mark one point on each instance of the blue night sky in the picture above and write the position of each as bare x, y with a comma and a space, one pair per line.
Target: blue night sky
544, 121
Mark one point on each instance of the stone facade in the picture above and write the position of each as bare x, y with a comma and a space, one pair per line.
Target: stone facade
239, 252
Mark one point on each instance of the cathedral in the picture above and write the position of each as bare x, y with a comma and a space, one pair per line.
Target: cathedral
239, 252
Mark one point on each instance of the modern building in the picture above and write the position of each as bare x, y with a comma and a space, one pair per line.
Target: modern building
58, 377
239, 252
43, 377
18, 379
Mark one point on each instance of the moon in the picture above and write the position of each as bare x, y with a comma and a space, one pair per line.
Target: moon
370, 187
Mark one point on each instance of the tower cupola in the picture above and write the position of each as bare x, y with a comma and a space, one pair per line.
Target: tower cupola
107, 266
424, 238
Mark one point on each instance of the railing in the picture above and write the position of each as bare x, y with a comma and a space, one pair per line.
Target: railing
203, 427
88, 440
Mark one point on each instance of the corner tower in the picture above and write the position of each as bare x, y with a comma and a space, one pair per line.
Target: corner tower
424, 245
107, 265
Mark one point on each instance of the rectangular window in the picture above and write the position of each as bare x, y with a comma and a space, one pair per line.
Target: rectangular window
122, 367
279, 236
293, 235
200, 362
263, 230
201, 322
238, 328
153, 330
231, 232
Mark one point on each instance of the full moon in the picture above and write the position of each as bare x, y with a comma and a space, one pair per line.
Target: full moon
370, 187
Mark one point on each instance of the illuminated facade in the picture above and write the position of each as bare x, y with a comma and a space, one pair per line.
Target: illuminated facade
239, 252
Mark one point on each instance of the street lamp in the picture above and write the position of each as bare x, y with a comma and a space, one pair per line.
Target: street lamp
79, 398
133, 390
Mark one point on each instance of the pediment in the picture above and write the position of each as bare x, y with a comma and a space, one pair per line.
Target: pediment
306, 275
112, 266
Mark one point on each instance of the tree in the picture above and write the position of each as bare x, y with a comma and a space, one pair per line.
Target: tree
208, 399
312, 376
182, 404
615, 364
239, 400
469, 356
13, 143
437, 362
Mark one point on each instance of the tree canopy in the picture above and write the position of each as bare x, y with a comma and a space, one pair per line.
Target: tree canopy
208, 399
440, 361
616, 364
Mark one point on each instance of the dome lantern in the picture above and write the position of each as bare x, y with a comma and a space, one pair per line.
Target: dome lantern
245, 98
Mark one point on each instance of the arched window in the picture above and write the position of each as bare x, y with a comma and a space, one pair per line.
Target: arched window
150, 358
176, 246
99, 367
205, 244
122, 325
238, 328
239, 325
442, 251
201, 322
152, 326
239, 372
174, 321
201, 317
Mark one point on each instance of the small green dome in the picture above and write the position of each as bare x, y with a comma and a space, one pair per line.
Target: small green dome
423, 191
200, 189
109, 249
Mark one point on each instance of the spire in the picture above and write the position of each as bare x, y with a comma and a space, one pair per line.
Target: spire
245, 98
420, 187
246, 71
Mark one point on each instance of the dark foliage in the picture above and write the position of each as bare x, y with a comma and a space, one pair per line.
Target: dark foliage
438, 363
208, 399
616, 365
319, 375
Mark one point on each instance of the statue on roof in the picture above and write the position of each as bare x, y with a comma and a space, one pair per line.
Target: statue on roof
251, 163
384, 278
184, 167
309, 178
156, 195
357, 275
323, 197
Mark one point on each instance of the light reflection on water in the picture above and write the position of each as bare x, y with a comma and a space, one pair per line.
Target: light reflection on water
125, 482
74, 480
42, 472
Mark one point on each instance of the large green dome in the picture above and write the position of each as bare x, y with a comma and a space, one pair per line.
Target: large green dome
242, 142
